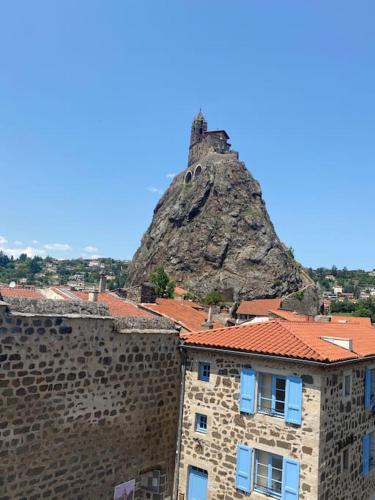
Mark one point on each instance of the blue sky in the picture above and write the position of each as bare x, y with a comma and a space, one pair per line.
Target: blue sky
97, 99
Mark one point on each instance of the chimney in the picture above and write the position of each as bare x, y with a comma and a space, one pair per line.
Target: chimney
208, 324
93, 296
102, 282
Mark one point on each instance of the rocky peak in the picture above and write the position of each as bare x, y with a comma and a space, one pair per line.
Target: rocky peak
211, 230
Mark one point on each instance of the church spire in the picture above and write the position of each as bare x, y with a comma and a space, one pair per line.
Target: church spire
198, 128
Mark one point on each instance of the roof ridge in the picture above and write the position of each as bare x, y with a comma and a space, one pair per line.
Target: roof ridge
284, 324
291, 324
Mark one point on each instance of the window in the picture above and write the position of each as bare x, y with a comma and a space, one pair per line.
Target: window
271, 394
273, 475
268, 473
347, 386
201, 423
204, 371
345, 460
368, 452
370, 388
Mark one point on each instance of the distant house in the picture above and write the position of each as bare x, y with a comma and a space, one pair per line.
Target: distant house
258, 308
188, 315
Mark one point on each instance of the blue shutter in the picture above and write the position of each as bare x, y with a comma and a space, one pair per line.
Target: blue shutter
243, 478
293, 402
290, 479
366, 447
247, 390
368, 388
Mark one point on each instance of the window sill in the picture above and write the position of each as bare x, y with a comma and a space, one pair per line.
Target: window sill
273, 415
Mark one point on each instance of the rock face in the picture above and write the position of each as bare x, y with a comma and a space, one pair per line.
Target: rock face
211, 230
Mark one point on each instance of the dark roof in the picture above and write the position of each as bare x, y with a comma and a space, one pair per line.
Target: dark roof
218, 132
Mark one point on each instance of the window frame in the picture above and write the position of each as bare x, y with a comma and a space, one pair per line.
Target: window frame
198, 424
268, 490
204, 371
273, 412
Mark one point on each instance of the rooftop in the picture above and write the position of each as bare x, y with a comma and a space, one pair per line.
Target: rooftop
187, 314
258, 307
29, 292
298, 340
116, 305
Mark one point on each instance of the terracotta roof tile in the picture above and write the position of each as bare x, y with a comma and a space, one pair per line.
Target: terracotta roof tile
354, 320
291, 339
28, 292
116, 305
258, 307
187, 314
290, 315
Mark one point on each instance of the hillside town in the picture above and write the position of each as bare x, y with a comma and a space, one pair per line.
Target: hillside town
218, 370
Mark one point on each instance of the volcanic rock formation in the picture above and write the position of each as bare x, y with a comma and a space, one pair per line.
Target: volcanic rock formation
211, 229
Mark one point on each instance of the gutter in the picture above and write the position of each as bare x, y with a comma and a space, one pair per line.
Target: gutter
179, 427
279, 358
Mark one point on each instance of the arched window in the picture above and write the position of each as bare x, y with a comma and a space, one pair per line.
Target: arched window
188, 178
198, 171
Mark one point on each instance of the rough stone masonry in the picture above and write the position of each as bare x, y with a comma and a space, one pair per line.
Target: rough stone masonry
87, 403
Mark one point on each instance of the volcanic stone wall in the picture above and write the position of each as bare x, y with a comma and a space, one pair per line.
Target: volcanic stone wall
344, 422
215, 451
85, 406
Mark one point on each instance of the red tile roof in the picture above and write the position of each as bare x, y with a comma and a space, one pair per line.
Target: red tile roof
290, 315
258, 307
30, 292
294, 316
291, 340
187, 314
116, 305
354, 320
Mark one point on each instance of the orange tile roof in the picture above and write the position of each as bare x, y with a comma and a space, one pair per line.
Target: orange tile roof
28, 292
116, 305
187, 314
258, 307
294, 316
290, 315
354, 320
291, 340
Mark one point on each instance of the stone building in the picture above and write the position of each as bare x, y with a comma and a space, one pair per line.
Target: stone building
281, 410
88, 402
203, 141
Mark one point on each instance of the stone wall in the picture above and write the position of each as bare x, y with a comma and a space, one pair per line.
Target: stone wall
344, 422
140, 294
227, 427
211, 142
305, 301
84, 407
50, 306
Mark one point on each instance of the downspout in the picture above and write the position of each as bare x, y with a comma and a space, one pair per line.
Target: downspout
179, 427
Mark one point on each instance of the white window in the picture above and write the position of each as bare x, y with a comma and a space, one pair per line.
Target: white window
271, 394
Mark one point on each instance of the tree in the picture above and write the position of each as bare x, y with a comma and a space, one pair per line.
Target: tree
4, 259
164, 286
213, 298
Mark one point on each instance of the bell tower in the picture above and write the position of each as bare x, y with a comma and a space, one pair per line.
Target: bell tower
198, 128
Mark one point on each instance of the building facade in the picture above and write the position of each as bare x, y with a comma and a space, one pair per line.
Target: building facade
261, 425
89, 405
